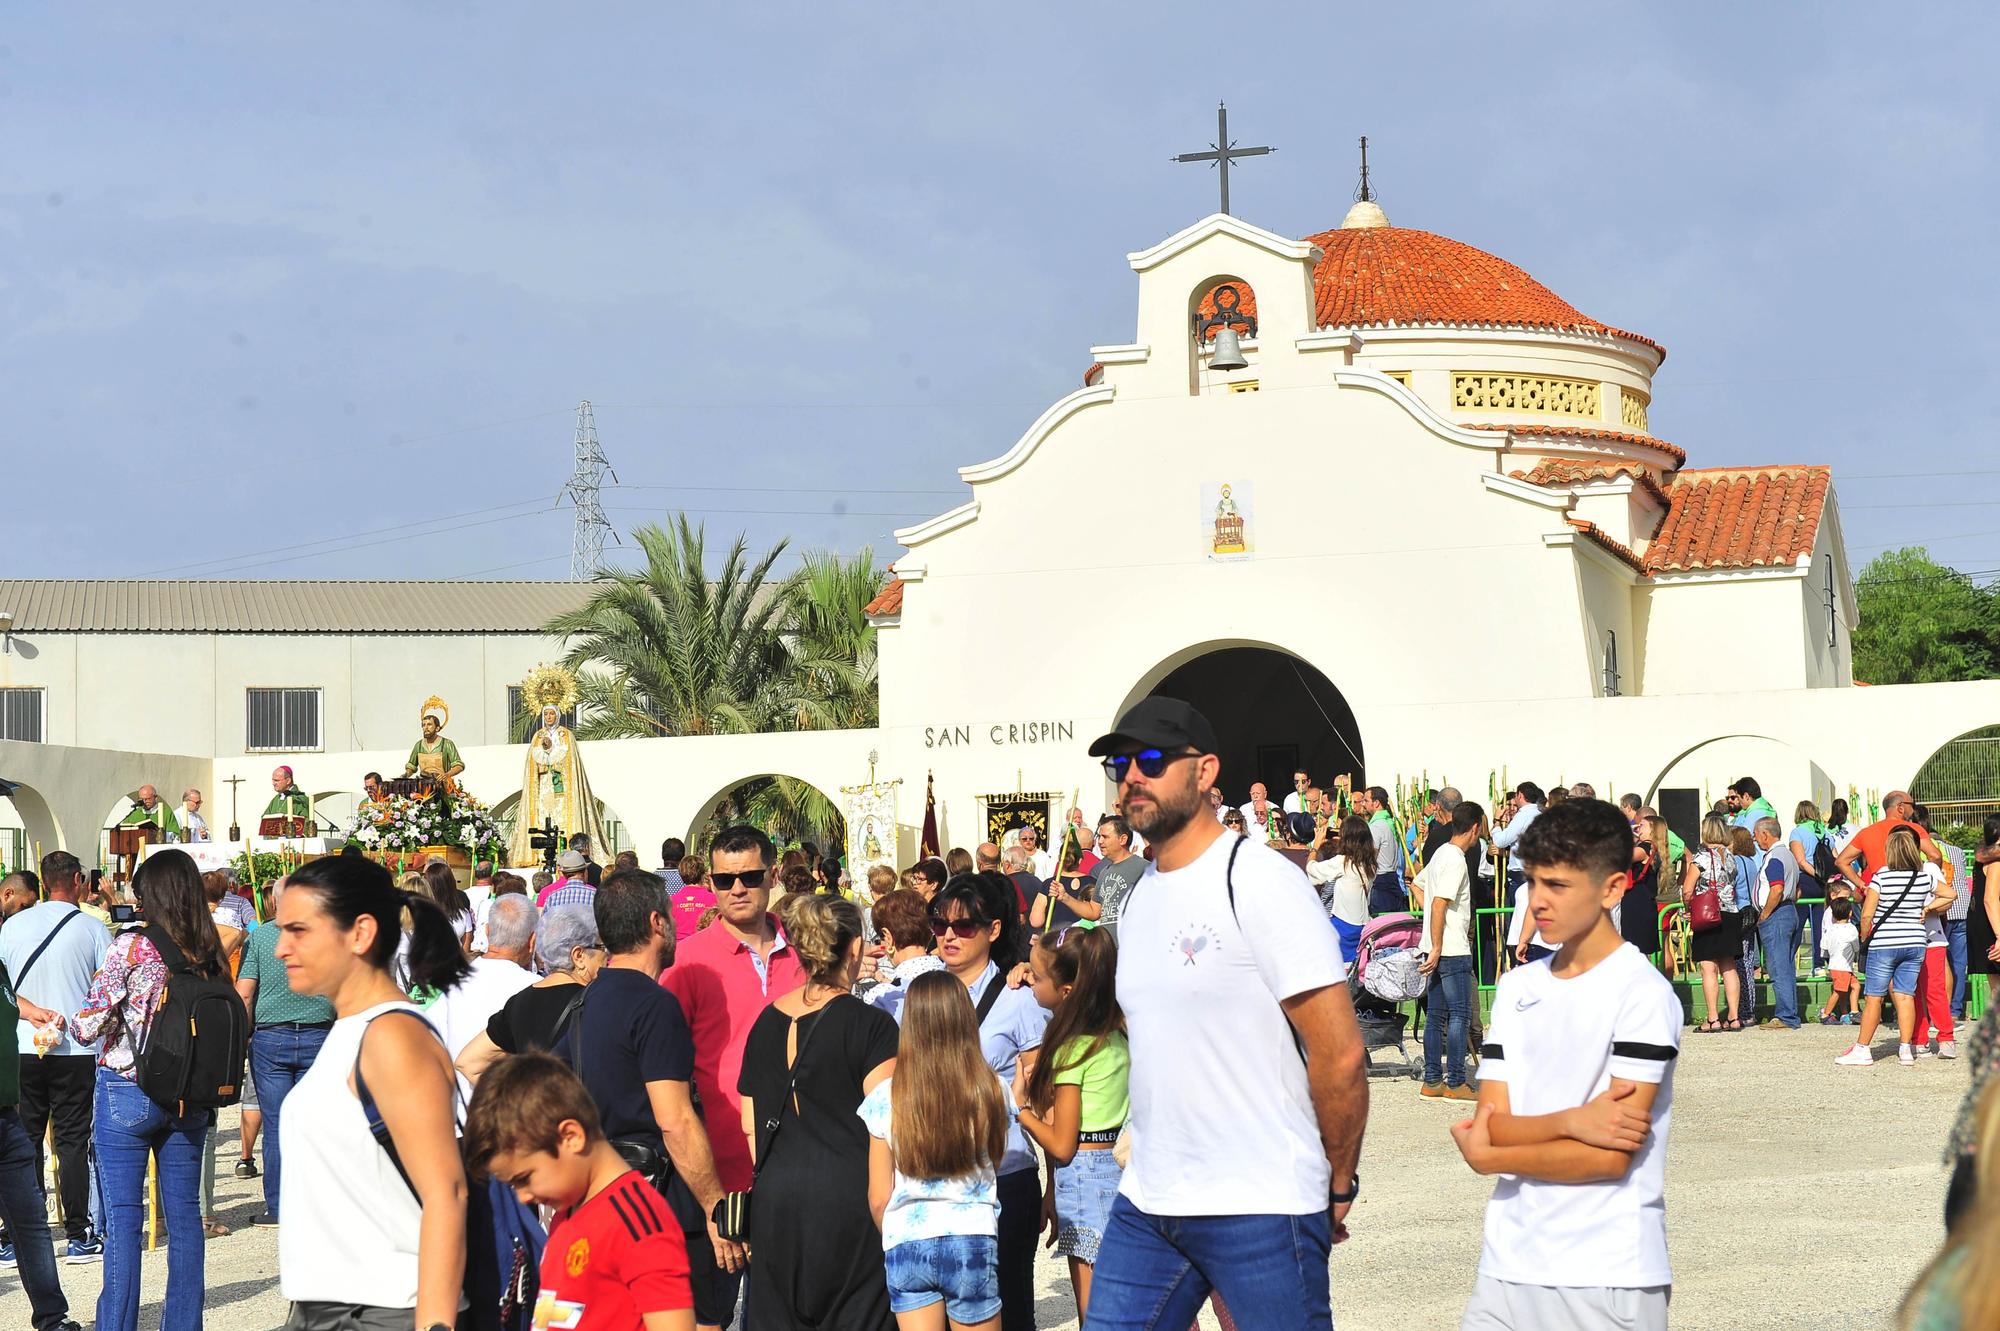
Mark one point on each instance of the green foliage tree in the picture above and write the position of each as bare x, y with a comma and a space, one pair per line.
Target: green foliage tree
673, 648
1923, 622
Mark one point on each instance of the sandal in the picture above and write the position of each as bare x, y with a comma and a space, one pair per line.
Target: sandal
1708, 1028
1733, 1024
214, 1228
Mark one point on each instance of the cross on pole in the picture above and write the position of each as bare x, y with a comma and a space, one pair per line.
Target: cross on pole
1222, 151
235, 829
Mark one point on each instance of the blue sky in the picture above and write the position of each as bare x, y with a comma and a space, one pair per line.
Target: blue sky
273, 275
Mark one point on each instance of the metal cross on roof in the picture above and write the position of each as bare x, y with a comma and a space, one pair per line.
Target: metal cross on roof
1222, 151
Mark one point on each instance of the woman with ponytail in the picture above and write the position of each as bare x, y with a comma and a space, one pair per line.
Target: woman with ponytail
810, 1059
128, 1126
374, 1229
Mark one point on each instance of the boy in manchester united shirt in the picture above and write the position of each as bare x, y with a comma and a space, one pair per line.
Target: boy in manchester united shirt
615, 1260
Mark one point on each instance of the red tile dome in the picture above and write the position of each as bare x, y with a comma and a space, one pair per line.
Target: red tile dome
1374, 274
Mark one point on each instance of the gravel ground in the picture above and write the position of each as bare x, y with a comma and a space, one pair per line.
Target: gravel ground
1764, 1202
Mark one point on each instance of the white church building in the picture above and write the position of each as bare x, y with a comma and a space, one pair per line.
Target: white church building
1388, 506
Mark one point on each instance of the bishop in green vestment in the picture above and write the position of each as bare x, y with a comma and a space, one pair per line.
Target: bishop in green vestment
288, 801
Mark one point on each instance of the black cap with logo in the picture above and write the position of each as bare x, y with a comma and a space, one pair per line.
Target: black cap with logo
1158, 723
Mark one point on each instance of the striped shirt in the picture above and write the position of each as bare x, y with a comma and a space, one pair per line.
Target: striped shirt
1899, 914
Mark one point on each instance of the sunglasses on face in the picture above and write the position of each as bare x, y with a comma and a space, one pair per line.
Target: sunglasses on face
750, 878
1151, 762
957, 928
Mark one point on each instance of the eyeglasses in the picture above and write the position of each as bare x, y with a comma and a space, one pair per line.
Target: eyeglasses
957, 928
750, 878
1151, 762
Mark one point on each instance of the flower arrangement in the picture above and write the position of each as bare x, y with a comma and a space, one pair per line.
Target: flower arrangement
402, 823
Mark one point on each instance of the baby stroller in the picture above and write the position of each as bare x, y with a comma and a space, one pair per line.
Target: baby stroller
1385, 974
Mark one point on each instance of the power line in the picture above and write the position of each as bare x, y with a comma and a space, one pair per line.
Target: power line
786, 489
336, 540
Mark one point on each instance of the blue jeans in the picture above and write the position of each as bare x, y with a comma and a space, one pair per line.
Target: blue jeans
1155, 1271
1954, 947
1893, 968
279, 1056
1780, 936
26, 1214
961, 1271
1387, 895
129, 1128
1447, 1018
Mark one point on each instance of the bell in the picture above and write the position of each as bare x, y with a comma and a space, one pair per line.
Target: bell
1228, 352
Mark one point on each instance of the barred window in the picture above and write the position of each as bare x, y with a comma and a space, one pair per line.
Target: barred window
286, 720
21, 714
520, 725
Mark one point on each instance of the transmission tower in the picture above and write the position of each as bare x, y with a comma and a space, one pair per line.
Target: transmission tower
586, 555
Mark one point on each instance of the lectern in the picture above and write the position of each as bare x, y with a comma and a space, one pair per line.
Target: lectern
127, 845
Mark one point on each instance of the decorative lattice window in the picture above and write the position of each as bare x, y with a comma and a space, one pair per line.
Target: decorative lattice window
1243, 386
1400, 376
1632, 411
1524, 392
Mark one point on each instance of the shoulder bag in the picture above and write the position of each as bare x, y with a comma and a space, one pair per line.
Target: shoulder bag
1705, 906
732, 1211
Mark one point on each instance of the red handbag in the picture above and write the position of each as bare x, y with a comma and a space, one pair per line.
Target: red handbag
1704, 910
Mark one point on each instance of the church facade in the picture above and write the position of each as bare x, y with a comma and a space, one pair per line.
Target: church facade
1379, 502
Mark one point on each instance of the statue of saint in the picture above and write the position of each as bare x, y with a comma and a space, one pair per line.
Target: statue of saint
435, 756
553, 789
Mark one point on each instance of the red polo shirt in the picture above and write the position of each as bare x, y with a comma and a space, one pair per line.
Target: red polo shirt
722, 991
1874, 843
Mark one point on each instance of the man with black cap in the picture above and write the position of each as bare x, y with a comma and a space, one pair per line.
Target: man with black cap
1248, 1086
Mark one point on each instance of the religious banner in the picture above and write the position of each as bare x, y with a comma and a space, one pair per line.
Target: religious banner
1227, 522
1022, 808
870, 810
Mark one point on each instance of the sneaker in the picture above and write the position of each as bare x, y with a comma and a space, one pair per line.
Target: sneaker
1905, 1055
1433, 1090
1857, 1056
1773, 1025
264, 1221
1924, 1051
1460, 1093
85, 1250
246, 1168
1948, 1049
7, 1258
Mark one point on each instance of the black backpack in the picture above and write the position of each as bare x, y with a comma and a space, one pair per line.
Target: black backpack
198, 1041
1823, 866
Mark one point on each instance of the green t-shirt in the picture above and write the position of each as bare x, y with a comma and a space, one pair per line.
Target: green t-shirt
1103, 1077
275, 1000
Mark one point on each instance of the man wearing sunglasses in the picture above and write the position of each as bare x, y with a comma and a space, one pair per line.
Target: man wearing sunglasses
724, 976
1248, 1086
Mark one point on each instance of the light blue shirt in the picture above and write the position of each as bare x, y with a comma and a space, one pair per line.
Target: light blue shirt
62, 975
1524, 818
1808, 837
1011, 1029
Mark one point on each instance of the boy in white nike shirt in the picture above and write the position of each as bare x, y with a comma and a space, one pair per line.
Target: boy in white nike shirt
1576, 1090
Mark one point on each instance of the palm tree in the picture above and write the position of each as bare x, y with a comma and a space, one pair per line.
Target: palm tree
788, 809
671, 649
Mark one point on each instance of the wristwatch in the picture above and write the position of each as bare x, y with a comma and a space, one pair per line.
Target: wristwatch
1353, 1191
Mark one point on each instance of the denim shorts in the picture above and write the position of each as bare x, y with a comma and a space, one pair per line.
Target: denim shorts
960, 1270
1893, 968
1085, 1189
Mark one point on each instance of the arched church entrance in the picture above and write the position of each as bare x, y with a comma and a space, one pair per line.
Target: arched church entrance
1273, 713
790, 810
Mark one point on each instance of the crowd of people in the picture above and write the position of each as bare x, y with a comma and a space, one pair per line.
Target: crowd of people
748, 1088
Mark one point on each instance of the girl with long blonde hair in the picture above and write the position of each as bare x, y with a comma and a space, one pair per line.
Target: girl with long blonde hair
1961, 1286
939, 1127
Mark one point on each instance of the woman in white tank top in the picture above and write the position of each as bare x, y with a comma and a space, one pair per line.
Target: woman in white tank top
361, 1248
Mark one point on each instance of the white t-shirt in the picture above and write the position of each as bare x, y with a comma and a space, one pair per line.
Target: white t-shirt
481, 897
463, 1010
1348, 899
1222, 1118
1840, 942
1519, 922
1900, 898
1444, 878
1557, 1044
929, 1208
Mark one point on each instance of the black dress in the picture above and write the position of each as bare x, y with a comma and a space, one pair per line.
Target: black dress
1979, 931
1639, 916
818, 1256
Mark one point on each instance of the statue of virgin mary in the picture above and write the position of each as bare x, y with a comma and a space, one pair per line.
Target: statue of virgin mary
553, 789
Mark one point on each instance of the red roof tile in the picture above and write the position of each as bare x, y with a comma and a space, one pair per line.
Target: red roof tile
1556, 472
1675, 452
1740, 517
1619, 548
1393, 275
888, 601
